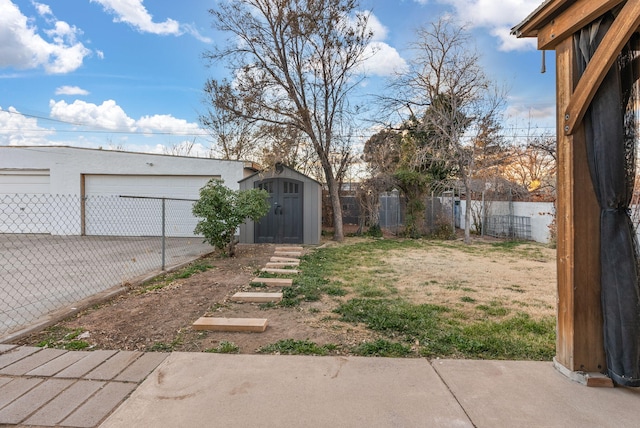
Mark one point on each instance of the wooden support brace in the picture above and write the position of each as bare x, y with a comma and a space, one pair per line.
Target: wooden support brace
231, 324
579, 14
625, 24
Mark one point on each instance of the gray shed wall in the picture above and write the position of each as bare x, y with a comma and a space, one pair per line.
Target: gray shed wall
311, 205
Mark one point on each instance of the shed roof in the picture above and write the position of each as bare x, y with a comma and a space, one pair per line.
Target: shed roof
272, 171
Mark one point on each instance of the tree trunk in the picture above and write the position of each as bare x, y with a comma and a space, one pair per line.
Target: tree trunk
334, 194
232, 247
467, 214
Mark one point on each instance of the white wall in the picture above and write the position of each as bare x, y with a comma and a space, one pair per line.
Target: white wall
541, 214
164, 176
67, 164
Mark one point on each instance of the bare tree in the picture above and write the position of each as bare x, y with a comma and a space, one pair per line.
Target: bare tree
533, 164
180, 149
455, 105
295, 63
233, 137
287, 145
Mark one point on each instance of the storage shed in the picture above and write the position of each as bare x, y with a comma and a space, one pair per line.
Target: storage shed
295, 216
82, 189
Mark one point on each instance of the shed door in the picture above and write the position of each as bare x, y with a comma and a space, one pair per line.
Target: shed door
283, 222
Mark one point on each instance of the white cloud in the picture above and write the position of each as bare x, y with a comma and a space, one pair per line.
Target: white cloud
380, 32
188, 28
490, 13
107, 115
43, 9
19, 130
165, 123
16, 129
497, 16
110, 116
383, 60
71, 90
135, 14
21, 47
542, 114
510, 43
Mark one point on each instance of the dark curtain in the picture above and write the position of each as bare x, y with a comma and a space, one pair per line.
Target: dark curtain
610, 136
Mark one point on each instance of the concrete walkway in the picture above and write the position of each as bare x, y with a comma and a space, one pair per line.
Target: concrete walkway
58, 388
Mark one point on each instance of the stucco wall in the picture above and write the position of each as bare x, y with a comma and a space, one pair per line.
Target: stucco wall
541, 214
67, 164
162, 175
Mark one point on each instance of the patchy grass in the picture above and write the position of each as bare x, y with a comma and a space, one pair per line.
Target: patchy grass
382, 348
296, 347
165, 347
464, 326
63, 338
439, 332
162, 281
225, 347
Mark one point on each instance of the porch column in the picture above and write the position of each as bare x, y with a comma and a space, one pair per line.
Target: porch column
579, 345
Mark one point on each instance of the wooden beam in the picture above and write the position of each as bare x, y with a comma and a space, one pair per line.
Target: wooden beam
579, 344
620, 32
285, 259
277, 282
285, 249
231, 324
281, 265
577, 16
280, 271
287, 254
257, 297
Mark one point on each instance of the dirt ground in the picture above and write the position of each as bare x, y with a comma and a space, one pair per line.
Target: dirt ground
161, 319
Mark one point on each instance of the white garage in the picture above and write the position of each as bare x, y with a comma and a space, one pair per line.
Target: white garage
24, 181
75, 191
29, 213
132, 205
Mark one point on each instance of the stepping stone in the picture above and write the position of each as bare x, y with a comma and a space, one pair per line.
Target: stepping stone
285, 259
256, 297
231, 324
278, 282
282, 271
288, 253
281, 264
285, 249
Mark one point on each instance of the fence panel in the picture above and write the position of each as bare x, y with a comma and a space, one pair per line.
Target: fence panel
46, 263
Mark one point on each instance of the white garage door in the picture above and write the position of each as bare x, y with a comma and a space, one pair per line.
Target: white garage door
24, 203
24, 181
131, 205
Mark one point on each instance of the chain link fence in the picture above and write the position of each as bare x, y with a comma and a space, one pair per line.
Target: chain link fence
439, 214
57, 250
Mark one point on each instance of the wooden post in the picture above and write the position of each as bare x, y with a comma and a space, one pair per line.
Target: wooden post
579, 344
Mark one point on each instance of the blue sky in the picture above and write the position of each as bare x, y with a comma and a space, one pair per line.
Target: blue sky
129, 73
